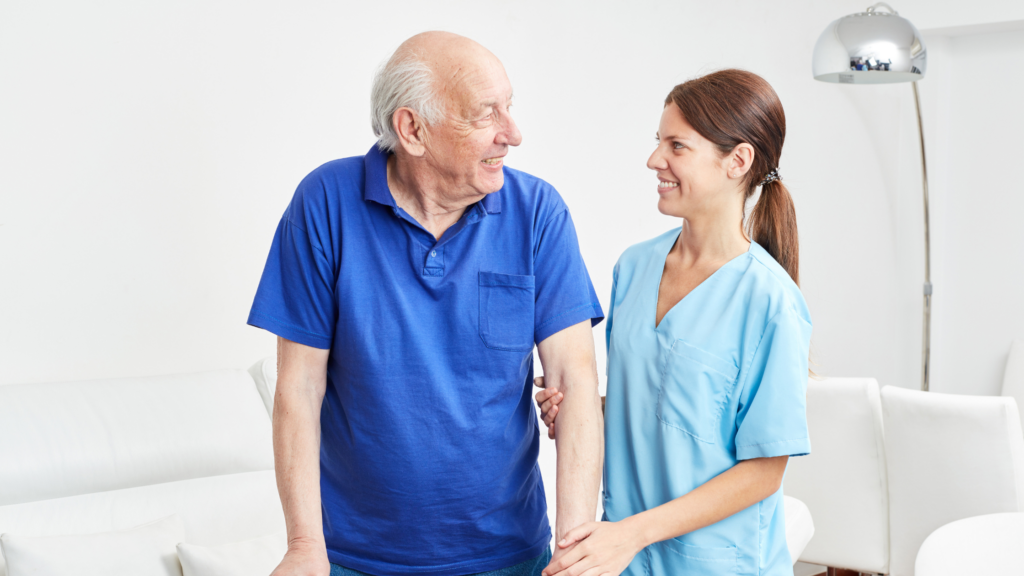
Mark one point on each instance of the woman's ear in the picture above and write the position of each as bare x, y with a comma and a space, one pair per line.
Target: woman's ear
740, 160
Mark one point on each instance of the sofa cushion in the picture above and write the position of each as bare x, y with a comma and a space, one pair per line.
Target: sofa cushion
213, 510
257, 556
71, 438
147, 550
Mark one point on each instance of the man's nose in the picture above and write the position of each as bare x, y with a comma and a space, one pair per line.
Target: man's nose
510, 135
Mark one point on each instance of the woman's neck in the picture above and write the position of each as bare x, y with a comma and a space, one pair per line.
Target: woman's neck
710, 240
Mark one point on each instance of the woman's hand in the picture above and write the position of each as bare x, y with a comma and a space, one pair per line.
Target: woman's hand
548, 400
603, 548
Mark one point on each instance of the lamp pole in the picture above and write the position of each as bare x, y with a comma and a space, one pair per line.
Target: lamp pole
926, 340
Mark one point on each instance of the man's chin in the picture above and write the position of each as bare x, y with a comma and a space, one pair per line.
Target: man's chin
492, 185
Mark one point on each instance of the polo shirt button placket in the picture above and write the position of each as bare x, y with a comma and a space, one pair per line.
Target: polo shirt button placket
434, 266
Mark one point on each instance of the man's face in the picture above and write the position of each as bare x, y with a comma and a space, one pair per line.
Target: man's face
467, 148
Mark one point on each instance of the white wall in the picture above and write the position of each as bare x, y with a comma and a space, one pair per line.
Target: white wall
978, 254
147, 151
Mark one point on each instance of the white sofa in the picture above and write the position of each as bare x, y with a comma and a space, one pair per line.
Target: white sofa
106, 455
86, 457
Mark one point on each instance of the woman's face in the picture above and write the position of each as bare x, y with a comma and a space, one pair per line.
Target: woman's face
692, 173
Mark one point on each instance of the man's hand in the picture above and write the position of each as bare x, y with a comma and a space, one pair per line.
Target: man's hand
595, 548
304, 560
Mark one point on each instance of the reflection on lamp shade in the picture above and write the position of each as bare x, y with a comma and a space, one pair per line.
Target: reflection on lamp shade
870, 48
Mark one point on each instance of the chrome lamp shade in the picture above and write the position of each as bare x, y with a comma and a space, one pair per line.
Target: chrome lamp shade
872, 47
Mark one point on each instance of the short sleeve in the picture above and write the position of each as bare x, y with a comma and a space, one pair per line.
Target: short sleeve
564, 294
611, 312
772, 419
295, 298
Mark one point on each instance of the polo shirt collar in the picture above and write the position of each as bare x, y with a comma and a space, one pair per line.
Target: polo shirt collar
376, 188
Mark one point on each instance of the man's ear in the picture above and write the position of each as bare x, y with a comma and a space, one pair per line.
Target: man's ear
411, 131
740, 160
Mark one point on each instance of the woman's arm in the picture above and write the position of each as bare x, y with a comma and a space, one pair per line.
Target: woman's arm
611, 546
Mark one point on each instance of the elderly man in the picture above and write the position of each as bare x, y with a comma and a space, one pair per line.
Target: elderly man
408, 288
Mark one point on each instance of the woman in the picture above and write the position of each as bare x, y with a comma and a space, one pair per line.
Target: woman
708, 339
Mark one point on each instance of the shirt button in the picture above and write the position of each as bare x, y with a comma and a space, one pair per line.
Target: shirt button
433, 254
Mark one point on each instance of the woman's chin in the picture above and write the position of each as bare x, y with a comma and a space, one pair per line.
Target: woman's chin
669, 208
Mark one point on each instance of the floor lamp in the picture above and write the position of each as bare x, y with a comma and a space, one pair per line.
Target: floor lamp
880, 47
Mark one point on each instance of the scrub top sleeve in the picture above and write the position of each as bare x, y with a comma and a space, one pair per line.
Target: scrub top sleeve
295, 298
564, 295
772, 419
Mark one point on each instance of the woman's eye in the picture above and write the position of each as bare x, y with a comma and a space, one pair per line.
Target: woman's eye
678, 146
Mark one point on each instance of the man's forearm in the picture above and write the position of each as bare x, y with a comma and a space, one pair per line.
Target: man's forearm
301, 383
297, 467
579, 439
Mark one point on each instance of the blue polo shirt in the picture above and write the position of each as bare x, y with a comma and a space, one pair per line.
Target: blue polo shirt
429, 438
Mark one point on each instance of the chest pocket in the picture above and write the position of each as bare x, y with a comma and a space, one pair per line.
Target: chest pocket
695, 388
506, 311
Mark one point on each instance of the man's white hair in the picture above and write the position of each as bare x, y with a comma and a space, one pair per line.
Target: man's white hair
404, 81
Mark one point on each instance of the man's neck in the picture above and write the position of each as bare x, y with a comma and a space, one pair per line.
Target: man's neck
424, 197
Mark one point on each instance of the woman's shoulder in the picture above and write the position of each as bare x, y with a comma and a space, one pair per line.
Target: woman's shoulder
647, 249
773, 286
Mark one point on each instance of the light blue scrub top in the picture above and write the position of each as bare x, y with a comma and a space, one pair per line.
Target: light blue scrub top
723, 378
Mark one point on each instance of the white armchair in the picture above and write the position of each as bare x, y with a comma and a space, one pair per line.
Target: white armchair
843, 481
949, 457
989, 544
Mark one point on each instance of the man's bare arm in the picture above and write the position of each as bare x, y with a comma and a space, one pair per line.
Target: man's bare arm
301, 383
570, 367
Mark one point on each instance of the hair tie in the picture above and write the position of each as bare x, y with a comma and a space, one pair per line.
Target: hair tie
771, 177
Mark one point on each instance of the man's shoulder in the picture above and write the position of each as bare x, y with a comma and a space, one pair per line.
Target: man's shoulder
343, 172
329, 185
530, 190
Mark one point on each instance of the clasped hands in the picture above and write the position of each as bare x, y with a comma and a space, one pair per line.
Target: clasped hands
593, 548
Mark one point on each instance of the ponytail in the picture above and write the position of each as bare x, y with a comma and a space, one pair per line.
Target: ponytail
772, 224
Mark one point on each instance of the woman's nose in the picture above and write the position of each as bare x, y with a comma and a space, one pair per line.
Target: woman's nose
656, 162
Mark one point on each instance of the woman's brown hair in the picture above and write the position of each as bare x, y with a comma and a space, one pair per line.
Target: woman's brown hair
731, 107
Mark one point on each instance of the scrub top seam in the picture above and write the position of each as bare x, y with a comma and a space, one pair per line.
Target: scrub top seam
760, 340
770, 443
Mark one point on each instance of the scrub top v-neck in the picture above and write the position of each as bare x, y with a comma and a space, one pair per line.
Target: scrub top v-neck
721, 379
